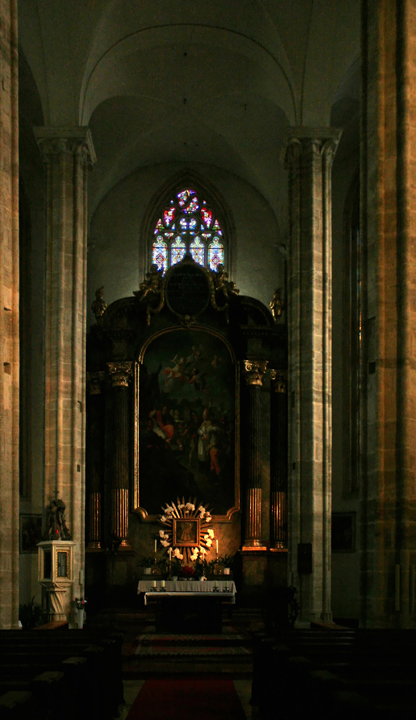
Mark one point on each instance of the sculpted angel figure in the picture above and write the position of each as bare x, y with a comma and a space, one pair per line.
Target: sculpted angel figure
152, 284
99, 306
222, 283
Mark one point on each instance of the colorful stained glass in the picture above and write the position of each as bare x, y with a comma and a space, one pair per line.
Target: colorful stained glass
217, 228
184, 196
188, 225
169, 215
177, 251
160, 254
197, 248
215, 254
192, 207
207, 216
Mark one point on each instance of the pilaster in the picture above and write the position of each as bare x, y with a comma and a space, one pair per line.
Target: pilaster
121, 374
253, 372
278, 460
309, 156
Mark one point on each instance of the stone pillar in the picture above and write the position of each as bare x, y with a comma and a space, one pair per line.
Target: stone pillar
9, 322
121, 374
388, 232
68, 153
278, 460
95, 456
309, 157
254, 371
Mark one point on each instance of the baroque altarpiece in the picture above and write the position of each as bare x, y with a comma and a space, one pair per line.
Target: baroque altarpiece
186, 397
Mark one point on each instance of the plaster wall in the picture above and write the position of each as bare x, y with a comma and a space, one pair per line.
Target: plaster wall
117, 256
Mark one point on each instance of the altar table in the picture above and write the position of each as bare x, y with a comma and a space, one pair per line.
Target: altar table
189, 605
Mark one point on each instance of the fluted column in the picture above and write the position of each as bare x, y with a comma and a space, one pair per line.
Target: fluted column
95, 456
68, 153
9, 319
310, 152
253, 372
278, 460
121, 374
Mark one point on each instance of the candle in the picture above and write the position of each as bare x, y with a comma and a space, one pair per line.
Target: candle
155, 545
217, 546
163, 583
170, 553
154, 583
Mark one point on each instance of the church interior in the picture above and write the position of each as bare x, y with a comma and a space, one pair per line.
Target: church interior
208, 309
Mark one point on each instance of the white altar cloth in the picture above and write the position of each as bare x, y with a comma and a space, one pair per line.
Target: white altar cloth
222, 589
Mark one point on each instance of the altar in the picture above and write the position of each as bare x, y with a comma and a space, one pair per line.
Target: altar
188, 606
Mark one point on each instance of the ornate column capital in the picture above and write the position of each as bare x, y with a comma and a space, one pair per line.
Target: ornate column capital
321, 141
278, 379
254, 371
66, 140
121, 373
95, 382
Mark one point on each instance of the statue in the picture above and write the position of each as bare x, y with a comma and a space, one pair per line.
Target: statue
99, 306
222, 283
56, 527
152, 284
277, 305
151, 292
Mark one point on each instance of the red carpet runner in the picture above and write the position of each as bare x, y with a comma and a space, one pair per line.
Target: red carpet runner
186, 698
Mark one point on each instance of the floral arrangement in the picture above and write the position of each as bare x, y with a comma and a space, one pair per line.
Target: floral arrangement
188, 571
182, 510
80, 603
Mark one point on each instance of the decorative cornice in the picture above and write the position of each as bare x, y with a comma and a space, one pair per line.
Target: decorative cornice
278, 381
121, 373
95, 382
254, 371
63, 140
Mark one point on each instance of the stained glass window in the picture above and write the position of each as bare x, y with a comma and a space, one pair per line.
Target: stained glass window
160, 254
188, 225
198, 251
177, 251
215, 254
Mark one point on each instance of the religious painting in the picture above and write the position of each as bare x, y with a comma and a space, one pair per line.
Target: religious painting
186, 532
187, 422
343, 532
30, 533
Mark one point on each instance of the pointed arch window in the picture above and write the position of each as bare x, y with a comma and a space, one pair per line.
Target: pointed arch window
188, 225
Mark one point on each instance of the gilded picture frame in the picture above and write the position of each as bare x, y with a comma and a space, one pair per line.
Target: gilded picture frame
186, 381
186, 532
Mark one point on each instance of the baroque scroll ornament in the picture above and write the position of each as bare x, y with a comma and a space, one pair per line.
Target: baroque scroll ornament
200, 541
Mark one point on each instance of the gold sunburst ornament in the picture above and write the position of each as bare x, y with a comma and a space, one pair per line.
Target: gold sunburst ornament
187, 533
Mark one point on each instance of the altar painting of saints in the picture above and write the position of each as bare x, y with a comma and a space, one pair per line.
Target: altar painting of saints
187, 411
